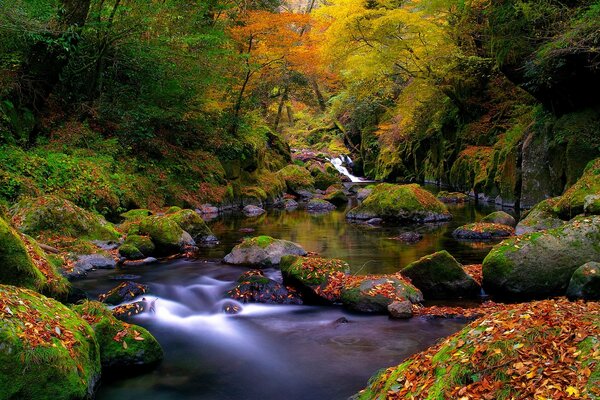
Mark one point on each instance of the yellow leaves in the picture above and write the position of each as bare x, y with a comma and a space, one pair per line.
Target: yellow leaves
571, 391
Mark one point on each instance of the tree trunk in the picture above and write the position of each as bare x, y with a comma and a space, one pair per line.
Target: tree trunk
318, 93
74, 13
282, 100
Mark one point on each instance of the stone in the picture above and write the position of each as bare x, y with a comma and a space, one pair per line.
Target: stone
400, 309
483, 231
373, 294
540, 218
262, 251
254, 287
440, 276
253, 211
409, 237
319, 206
375, 221
363, 193
500, 217
452, 197
585, 282
125, 291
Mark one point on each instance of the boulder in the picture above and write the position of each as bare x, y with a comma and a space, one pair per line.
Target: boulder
336, 197
262, 251
409, 237
124, 348
500, 217
191, 222
400, 309
207, 209
319, 205
400, 202
46, 350
142, 243
483, 231
296, 178
290, 204
140, 263
23, 263
375, 221
591, 204
373, 294
452, 197
541, 264
572, 202
52, 216
166, 234
318, 279
585, 282
136, 214
253, 211
363, 193
440, 276
89, 262
125, 291
254, 287
540, 218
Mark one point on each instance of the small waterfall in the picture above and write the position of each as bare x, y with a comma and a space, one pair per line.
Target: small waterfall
339, 162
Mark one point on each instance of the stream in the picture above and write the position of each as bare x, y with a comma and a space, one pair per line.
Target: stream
276, 351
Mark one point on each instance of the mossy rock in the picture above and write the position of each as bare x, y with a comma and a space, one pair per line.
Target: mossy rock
297, 178
500, 217
54, 356
585, 282
123, 347
440, 276
142, 243
130, 252
336, 197
254, 287
572, 202
318, 279
24, 264
483, 231
541, 264
166, 234
52, 215
401, 202
373, 294
173, 210
136, 214
452, 197
325, 179
262, 251
497, 357
540, 218
192, 223
125, 291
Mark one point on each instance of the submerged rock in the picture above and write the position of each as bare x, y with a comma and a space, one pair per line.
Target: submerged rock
254, 287
541, 264
540, 218
319, 205
483, 231
500, 217
253, 211
46, 350
400, 309
401, 202
440, 276
262, 251
585, 282
125, 291
124, 348
409, 237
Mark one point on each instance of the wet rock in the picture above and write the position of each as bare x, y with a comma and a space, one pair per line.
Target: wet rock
540, 218
500, 217
585, 282
341, 320
29, 321
452, 197
373, 294
126, 311
231, 307
483, 231
262, 251
191, 222
253, 211
440, 276
127, 277
290, 204
400, 202
140, 263
89, 262
319, 205
166, 234
305, 194
312, 275
400, 309
106, 245
409, 237
125, 291
375, 221
207, 209
363, 193
254, 287
541, 264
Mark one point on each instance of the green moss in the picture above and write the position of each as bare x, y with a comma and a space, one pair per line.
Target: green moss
296, 178
263, 241
166, 234
54, 366
192, 223
130, 252
135, 347
572, 201
311, 271
136, 214
141, 243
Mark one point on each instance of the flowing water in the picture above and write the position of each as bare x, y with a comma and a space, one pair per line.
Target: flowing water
339, 162
270, 351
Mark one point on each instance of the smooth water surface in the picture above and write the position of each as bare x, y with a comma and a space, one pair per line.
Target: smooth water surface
273, 352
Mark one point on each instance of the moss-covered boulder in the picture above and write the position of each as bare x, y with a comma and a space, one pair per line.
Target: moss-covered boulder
23, 263
254, 287
540, 218
363, 193
46, 350
541, 264
125, 291
123, 347
319, 206
336, 197
52, 216
572, 202
318, 279
373, 294
137, 247
191, 222
296, 178
130, 252
166, 234
527, 351
401, 202
585, 282
452, 197
483, 231
262, 251
500, 217
440, 276
136, 214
